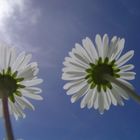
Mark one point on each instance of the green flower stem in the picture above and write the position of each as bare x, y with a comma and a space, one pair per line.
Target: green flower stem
8, 126
130, 92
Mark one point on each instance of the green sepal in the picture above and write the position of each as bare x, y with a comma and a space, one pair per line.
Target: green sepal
15, 74
104, 88
99, 88
20, 86
88, 76
109, 85
18, 93
3, 72
112, 62
19, 79
100, 60
92, 85
12, 98
90, 80
8, 71
106, 60
116, 70
89, 70
92, 65
117, 75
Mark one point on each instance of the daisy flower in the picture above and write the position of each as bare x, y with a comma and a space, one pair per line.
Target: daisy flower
18, 80
98, 73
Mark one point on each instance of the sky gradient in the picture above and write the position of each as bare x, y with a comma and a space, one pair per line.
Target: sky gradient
49, 29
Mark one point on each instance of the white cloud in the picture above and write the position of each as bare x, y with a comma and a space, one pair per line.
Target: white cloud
35, 16
15, 17
19, 19
7, 9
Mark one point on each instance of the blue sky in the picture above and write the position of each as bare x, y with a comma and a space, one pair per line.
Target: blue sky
49, 29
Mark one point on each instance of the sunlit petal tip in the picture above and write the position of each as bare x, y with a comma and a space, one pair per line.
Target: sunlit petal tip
77, 45
122, 104
89, 107
82, 106
40, 98
105, 35
72, 100
132, 52
41, 81
123, 40
101, 112
87, 38
33, 109
24, 116
97, 36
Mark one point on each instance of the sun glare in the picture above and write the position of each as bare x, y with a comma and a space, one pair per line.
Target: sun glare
5, 9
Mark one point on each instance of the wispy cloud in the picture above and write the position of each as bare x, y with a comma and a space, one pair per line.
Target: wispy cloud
15, 17
20, 24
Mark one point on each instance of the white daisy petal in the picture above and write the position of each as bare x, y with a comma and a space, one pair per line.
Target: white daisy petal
73, 69
99, 45
29, 72
74, 62
117, 97
26, 60
20, 105
13, 56
18, 61
32, 96
73, 84
108, 97
82, 53
16, 110
34, 90
96, 102
101, 102
127, 75
92, 99
126, 57
76, 88
75, 73
68, 77
25, 102
120, 48
32, 82
90, 48
2, 65
126, 83
105, 45
79, 94
126, 67
75, 57
112, 47
86, 98
113, 99
122, 92
70, 65
106, 101
7, 54
1, 112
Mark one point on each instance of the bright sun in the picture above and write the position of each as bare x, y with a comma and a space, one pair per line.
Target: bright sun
7, 8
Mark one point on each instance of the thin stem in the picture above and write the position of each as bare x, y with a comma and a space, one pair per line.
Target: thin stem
130, 92
7, 121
